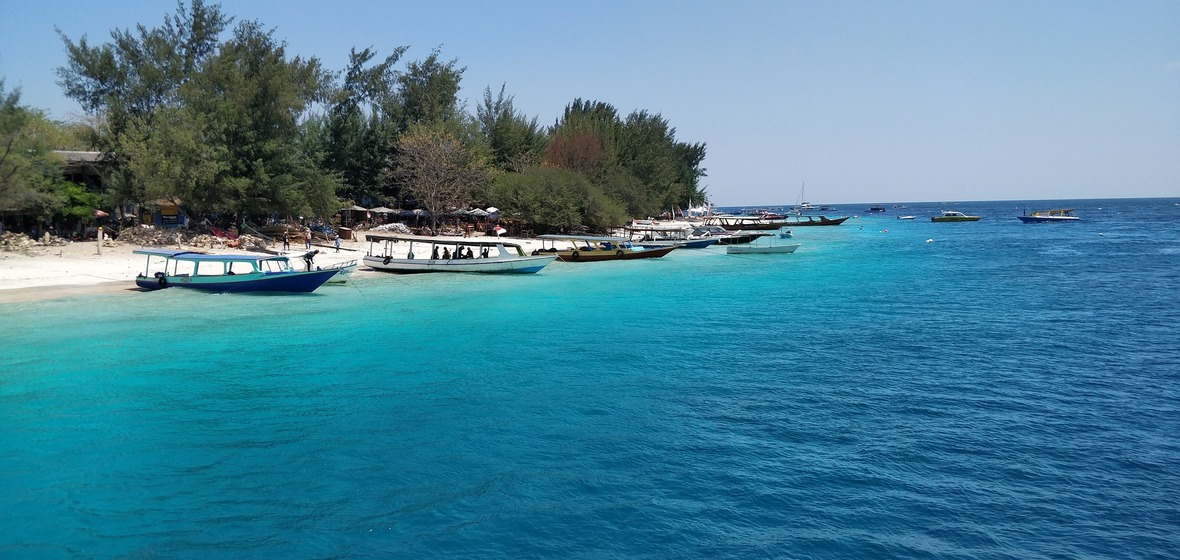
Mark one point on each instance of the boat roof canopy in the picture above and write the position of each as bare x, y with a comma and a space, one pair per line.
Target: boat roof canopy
560, 237
489, 242
206, 257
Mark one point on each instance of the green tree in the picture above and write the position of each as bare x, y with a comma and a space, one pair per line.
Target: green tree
361, 127
438, 169
668, 169
30, 175
557, 199
430, 91
247, 102
124, 82
515, 141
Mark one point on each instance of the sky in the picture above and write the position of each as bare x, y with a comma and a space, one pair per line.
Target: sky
834, 102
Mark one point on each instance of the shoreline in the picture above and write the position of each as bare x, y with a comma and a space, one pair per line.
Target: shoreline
76, 268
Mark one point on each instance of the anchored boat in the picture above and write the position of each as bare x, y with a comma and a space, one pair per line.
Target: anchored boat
595, 248
167, 268
434, 254
1041, 216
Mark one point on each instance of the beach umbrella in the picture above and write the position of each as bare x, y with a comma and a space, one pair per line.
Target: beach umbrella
356, 208
100, 214
382, 210
479, 213
500, 231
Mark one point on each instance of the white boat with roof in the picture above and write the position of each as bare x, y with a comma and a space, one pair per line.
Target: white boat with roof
444, 254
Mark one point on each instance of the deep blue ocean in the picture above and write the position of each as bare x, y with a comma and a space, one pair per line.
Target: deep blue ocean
894, 389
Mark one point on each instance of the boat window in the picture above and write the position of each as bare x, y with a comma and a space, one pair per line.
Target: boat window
241, 267
183, 268
210, 268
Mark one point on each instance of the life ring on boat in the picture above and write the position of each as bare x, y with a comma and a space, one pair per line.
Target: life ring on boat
619, 253
574, 256
162, 279
387, 259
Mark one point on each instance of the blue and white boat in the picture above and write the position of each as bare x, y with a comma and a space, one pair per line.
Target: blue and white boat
169, 268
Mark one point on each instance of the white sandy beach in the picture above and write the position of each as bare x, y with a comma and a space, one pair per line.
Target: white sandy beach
46, 272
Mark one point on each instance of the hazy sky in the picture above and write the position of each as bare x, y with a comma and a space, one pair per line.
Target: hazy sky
871, 101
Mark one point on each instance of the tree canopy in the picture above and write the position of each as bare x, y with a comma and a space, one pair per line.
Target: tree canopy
226, 120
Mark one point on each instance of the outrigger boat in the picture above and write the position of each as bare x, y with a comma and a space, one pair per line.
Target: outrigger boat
594, 248
654, 236
226, 273
1063, 215
489, 255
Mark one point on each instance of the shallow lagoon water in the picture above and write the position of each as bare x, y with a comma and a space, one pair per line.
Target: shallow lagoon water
894, 388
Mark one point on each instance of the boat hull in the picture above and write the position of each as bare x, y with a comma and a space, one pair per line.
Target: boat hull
295, 282
1046, 219
955, 218
755, 250
521, 265
599, 255
690, 244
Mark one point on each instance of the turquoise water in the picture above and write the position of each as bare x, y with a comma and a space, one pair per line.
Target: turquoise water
1002, 390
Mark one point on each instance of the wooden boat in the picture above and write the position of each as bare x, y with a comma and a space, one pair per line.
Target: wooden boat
953, 216
593, 248
757, 223
761, 249
1040, 216
168, 268
654, 236
434, 254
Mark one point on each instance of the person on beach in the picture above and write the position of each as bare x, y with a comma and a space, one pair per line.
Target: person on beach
286, 241
337, 243
307, 234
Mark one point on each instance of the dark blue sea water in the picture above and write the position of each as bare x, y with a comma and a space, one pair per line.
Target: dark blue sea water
894, 389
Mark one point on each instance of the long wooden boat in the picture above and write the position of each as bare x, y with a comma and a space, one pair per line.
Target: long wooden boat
167, 268
593, 248
759, 223
1046, 216
441, 254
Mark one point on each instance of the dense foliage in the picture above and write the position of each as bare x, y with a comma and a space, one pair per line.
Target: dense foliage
31, 177
225, 120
